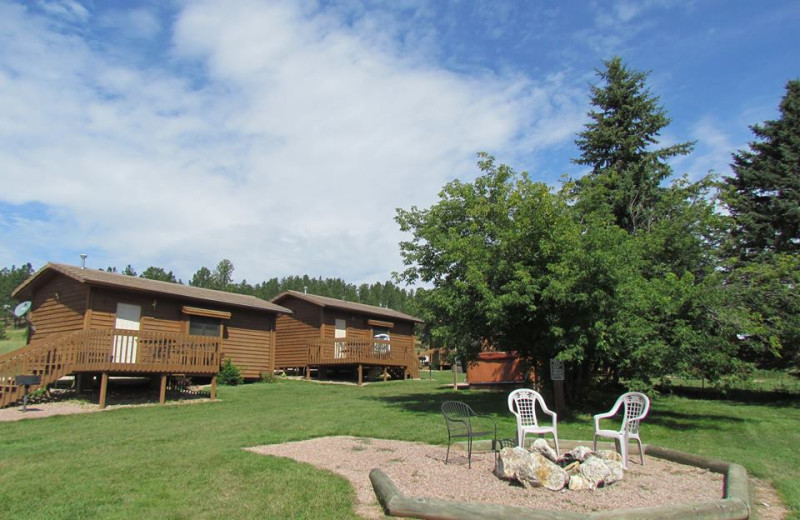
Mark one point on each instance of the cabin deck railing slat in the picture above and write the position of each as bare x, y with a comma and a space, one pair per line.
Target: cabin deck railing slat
94, 350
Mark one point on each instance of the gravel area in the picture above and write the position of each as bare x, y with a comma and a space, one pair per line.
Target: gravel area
419, 470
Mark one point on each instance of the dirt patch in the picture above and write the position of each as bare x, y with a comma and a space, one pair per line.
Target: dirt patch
419, 470
69, 402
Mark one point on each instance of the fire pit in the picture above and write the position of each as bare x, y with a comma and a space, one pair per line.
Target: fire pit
735, 503
579, 469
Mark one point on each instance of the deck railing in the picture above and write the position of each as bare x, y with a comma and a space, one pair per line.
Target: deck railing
107, 350
359, 351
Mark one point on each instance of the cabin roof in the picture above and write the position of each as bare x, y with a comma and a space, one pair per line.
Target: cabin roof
324, 301
98, 278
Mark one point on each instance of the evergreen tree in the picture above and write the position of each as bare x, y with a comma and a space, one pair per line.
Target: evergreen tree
763, 198
764, 194
626, 173
203, 278
158, 273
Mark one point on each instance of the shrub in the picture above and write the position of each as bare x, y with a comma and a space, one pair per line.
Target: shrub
230, 374
268, 377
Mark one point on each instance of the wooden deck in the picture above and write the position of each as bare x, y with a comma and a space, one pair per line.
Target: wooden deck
108, 352
359, 353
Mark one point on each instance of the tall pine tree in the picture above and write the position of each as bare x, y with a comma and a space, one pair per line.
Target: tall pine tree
764, 193
763, 198
627, 172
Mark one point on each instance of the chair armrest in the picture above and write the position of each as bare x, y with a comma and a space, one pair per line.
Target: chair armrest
606, 415
600, 416
494, 423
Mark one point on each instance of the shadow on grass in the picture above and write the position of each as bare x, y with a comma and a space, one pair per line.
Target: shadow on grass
484, 402
738, 396
682, 421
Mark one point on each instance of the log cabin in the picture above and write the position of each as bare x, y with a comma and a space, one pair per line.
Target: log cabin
88, 322
325, 333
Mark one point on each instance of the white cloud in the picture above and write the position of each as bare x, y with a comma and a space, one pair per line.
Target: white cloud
288, 156
713, 150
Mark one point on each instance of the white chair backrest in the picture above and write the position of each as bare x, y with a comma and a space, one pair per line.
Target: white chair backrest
522, 403
636, 407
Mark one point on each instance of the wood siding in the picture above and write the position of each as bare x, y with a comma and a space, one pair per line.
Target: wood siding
294, 332
165, 316
247, 342
58, 307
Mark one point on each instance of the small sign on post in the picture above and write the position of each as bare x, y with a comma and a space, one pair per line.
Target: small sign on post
26, 381
556, 370
557, 375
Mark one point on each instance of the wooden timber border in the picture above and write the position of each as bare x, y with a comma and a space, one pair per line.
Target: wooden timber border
735, 504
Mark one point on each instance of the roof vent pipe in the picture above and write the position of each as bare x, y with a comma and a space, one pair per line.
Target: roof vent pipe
305, 289
83, 260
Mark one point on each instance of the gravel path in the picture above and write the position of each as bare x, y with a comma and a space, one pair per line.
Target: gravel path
419, 470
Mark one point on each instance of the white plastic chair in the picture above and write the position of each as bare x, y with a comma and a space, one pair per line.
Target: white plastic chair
636, 407
522, 404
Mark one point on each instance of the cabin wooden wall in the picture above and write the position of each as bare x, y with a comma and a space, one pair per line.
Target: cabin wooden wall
164, 316
58, 306
248, 342
293, 333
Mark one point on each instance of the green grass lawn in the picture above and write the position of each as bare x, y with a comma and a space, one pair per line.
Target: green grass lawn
186, 461
15, 338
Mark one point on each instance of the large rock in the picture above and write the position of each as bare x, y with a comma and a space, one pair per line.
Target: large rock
530, 469
616, 472
580, 453
541, 446
595, 471
578, 483
509, 462
609, 455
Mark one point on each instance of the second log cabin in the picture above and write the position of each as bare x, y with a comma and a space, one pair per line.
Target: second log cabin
325, 333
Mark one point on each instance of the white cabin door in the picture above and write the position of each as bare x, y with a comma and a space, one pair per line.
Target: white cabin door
128, 318
339, 334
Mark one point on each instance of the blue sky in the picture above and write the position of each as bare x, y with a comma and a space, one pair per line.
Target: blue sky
283, 135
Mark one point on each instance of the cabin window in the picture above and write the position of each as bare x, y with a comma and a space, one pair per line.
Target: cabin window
380, 332
204, 326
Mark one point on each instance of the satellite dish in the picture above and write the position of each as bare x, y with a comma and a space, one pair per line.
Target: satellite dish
22, 309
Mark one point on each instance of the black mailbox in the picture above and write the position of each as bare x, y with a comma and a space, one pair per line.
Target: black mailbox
26, 380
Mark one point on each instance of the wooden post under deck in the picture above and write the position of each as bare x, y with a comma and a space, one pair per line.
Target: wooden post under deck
162, 394
360, 375
103, 388
385, 374
308, 372
213, 388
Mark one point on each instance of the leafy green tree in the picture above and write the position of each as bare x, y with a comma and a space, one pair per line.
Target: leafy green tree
627, 173
488, 249
129, 271
159, 273
763, 195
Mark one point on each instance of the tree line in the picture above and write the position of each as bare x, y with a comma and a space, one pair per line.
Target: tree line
628, 274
